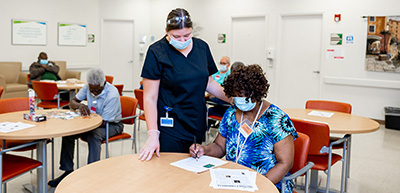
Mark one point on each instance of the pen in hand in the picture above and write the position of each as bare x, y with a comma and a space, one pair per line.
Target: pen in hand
195, 148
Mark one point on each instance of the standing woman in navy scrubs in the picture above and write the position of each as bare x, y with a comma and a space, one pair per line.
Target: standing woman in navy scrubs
176, 73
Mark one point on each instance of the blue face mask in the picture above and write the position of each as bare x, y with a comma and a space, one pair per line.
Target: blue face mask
44, 62
178, 44
243, 105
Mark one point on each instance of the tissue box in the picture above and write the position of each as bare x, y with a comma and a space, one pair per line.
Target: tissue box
33, 117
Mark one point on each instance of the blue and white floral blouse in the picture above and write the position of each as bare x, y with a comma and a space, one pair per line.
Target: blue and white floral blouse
257, 152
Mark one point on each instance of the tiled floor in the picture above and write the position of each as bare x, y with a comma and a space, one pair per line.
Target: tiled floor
375, 162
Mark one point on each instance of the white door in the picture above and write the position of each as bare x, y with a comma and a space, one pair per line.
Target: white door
248, 40
117, 51
299, 60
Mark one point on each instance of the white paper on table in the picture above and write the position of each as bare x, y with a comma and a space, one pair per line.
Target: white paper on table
235, 179
80, 85
321, 113
204, 163
6, 127
61, 82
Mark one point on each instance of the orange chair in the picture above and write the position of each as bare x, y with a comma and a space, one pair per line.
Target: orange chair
128, 113
28, 81
49, 95
338, 107
329, 105
1, 90
320, 152
120, 88
12, 166
109, 79
300, 164
139, 97
12, 105
20, 104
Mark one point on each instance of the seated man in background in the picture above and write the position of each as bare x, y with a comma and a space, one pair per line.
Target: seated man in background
103, 99
44, 69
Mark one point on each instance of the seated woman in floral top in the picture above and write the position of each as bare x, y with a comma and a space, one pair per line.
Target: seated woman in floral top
253, 132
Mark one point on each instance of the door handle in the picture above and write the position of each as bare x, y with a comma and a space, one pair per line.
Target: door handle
316, 72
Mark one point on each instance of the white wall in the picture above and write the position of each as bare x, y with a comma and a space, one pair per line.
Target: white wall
345, 80
52, 12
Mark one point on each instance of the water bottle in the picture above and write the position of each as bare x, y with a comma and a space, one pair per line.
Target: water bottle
31, 95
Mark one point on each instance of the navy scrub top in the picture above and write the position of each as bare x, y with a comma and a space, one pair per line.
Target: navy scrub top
183, 82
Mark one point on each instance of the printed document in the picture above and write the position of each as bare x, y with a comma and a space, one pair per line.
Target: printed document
6, 127
203, 163
235, 179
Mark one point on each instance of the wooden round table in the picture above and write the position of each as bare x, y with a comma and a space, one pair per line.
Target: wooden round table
128, 174
44, 130
50, 128
340, 123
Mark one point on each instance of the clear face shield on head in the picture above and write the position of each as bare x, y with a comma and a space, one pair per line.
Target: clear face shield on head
178, 20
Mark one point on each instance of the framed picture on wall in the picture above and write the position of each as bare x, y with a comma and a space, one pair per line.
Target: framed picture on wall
28, 32
383, 44
71, 34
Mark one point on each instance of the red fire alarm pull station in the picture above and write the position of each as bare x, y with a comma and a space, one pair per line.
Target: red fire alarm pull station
338, 17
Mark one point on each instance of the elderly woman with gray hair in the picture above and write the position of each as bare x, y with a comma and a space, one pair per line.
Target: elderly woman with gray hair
103, 99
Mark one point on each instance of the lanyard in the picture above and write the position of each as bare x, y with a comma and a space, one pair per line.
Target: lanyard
238, 137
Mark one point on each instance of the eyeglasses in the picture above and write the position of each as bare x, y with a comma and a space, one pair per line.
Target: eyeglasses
178, 20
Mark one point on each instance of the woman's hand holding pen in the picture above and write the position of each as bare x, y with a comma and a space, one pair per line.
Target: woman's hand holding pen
196, 150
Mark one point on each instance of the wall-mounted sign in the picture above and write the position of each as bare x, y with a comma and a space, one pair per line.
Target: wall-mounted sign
336, 39
29, 32
221, 38
91, 38
71, 34
349, 39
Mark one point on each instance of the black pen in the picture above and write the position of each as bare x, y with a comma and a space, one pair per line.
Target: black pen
195, 149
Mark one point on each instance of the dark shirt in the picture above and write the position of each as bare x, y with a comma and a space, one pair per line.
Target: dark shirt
183, 81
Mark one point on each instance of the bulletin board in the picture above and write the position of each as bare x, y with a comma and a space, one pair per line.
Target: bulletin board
29, 32
71, 34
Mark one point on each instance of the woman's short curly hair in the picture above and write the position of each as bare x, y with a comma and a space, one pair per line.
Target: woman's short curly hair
248, 81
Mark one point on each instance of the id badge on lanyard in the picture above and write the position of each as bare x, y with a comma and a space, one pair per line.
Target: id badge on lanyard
245, 128
93, 107
166, 121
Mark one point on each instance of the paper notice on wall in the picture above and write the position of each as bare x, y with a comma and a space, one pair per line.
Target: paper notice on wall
335, 54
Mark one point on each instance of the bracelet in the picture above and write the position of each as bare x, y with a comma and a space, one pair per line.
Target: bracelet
154, 130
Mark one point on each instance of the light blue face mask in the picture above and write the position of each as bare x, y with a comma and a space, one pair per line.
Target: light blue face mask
44, 62
243, 105
178, 44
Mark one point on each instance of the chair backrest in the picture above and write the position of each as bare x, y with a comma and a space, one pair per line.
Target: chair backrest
128, 108
47, 91
109, 79
14, 104
28, 77
63, 69
120, 88
301, 148
317, 131
1, 90
139, 97
329, 105
10, 71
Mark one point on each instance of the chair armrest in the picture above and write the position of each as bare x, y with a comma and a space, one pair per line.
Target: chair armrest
19, 146
300, 172
22, 78
3, 81
341, 140
73, 74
